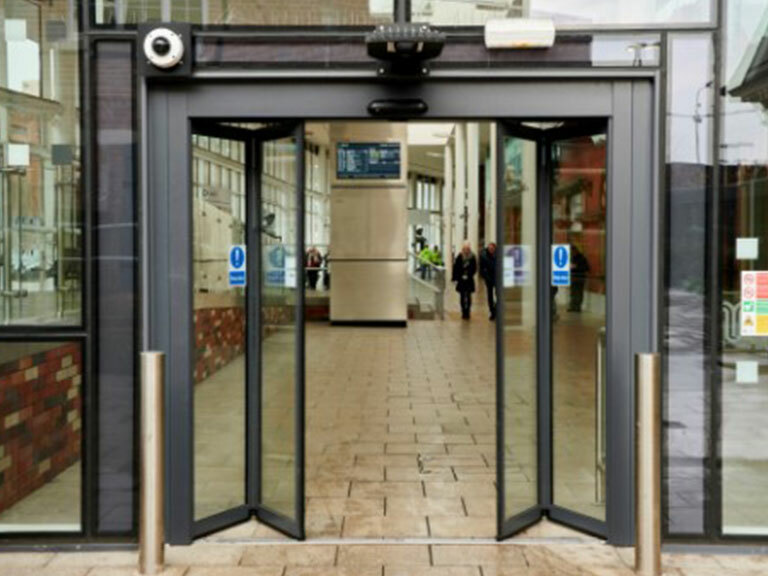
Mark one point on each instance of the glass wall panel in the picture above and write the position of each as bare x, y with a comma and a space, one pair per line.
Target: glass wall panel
578, 215
40, 198
41, 413
585, 12
520, 196
279, 301
256, 12
219, 372
744, 248
686, 399
116, 215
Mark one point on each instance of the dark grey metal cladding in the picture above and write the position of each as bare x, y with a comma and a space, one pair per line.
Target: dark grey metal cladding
346, 99
171, 294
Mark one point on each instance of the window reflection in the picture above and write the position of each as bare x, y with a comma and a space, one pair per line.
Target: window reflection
40, 439
689, 171
233, 12
40, 200
477, 12
219, 371
744, 218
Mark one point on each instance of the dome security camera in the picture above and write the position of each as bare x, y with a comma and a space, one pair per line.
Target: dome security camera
163, 48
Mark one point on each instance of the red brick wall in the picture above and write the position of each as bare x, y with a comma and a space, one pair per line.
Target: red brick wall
219, 338
40, 420
220, 335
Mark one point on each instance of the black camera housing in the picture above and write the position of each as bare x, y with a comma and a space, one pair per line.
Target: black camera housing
404, 49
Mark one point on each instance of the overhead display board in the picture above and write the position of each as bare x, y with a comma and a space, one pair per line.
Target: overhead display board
368, 161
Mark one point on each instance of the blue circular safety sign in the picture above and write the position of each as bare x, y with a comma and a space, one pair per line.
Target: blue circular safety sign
561, 257
237, 257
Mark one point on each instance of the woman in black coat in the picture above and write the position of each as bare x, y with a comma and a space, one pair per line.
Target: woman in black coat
464, 270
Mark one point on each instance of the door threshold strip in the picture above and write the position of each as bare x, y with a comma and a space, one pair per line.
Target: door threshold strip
401, 541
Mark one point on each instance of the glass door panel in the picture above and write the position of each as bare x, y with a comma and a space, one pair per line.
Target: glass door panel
219, 338
577, 173
517, 334
281, 395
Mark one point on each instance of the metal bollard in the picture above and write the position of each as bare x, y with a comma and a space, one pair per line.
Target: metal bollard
151, 520
648, 464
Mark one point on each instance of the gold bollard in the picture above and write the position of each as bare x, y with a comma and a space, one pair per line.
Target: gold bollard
151, 519
648, 464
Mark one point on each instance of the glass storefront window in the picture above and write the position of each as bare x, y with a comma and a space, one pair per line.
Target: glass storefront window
573, 12
40, 173
744, 248
41, 416
686, 399
246, 12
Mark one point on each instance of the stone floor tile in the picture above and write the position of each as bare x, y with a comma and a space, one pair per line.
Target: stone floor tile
327, 488
25, 559
204, 554
509, 556
348, 506
235, 571
428, 473
483, 488
11, 570
383, 554
432, 571
455, 527
384, 489
333, 571
68, 559
416, 449
384, 527
424, 506
484, 507
132, 571
289, 555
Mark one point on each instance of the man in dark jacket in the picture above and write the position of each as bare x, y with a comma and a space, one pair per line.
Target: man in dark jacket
464, 270
488, 274
579, 273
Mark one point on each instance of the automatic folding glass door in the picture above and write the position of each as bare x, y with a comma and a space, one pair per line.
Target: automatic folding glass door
247, 377
551, 329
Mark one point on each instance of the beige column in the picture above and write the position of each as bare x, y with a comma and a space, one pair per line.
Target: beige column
460, 185
448, 209
490, 197
473, 184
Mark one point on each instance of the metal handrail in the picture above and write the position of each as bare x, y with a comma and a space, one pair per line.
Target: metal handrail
436, 286
600, 379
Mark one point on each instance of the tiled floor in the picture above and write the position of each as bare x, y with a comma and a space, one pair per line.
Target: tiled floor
530, 556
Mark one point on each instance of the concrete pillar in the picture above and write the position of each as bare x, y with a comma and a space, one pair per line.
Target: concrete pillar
473, 185
448, 213
460, 186
490, 196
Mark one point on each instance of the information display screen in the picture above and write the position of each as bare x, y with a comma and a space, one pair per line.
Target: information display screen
368, 161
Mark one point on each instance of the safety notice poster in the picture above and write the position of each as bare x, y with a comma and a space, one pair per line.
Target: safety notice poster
754, 303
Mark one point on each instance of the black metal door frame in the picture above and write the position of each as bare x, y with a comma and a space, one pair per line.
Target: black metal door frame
628, 100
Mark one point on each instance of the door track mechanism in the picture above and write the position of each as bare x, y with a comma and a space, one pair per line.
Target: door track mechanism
404, 49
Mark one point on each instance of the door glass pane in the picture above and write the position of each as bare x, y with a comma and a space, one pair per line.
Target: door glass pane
279, 300
519, 332
219, 334
578, 325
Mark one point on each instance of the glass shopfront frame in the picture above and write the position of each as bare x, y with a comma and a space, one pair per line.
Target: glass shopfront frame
115, 483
